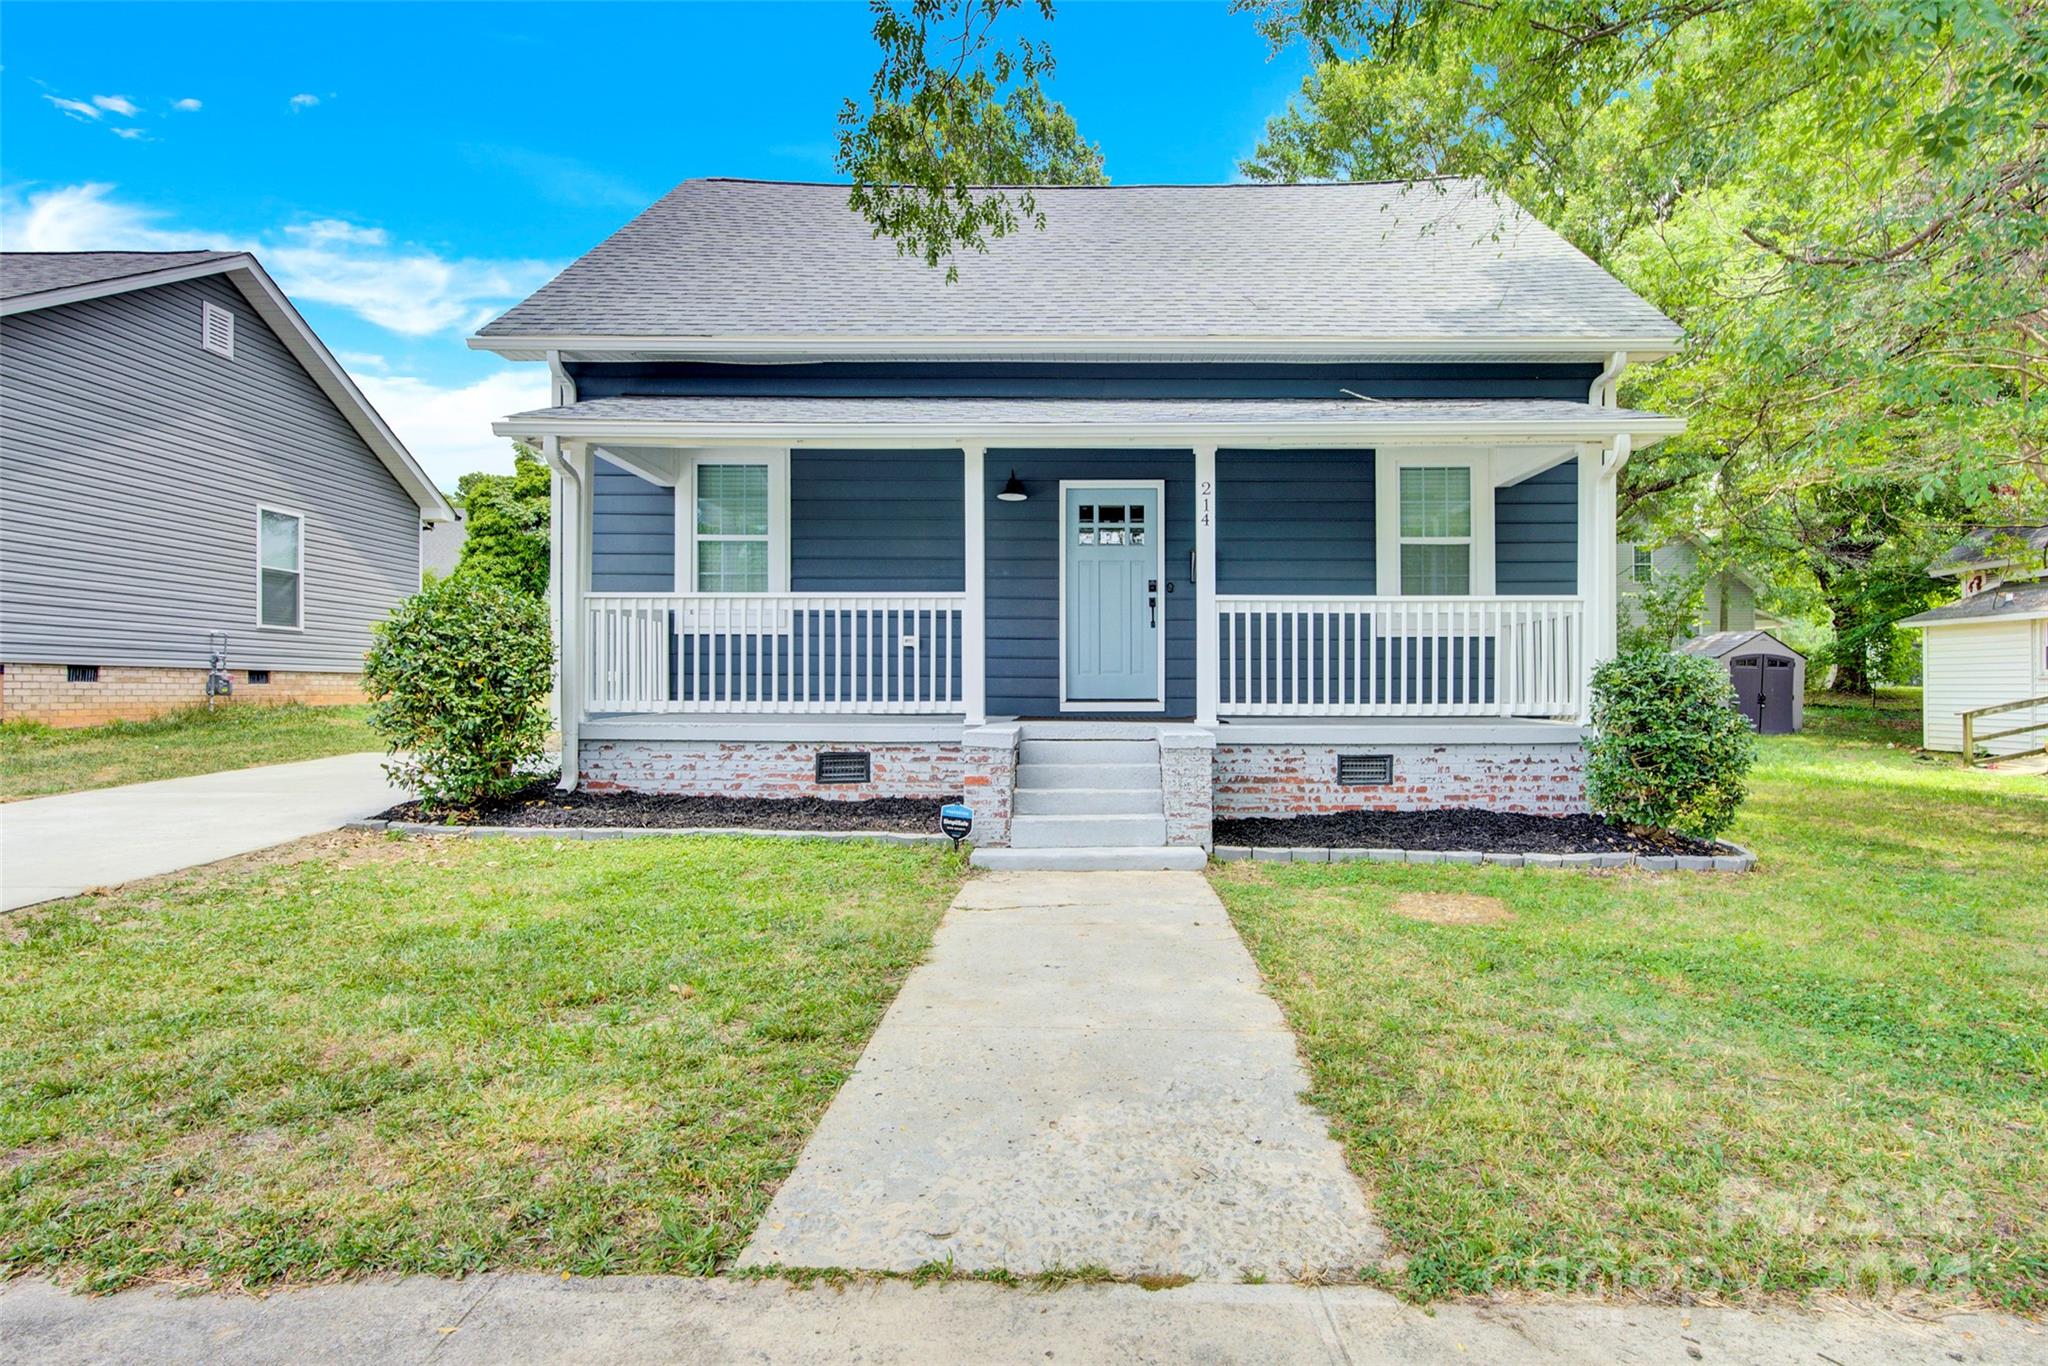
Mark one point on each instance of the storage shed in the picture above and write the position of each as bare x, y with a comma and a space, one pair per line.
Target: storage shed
1769, 676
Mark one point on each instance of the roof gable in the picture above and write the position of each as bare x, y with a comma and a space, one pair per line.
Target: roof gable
1354, 268
38, 280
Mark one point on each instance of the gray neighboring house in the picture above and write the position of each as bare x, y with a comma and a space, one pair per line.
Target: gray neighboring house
1728, 602
182, 460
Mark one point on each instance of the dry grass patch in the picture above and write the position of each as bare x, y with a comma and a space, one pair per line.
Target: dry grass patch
1451, 908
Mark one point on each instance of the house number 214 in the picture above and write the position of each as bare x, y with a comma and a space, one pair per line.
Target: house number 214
1207, 488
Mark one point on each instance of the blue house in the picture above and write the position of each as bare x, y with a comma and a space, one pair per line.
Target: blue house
1204, 500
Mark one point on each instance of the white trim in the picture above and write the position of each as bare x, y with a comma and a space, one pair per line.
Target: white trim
1387, 515
1593, 426
277, 311
1207, 499
1158, 701
634, 460
1514, 464
974, 614
578, 345
777, 461
299, 545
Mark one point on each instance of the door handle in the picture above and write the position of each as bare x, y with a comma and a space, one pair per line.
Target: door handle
1152, 606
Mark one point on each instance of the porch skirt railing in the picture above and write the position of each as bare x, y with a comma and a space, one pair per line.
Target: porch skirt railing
1400, 656
773, 652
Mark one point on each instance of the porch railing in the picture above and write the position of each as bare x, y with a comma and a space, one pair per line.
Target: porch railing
773, 652
1400, 656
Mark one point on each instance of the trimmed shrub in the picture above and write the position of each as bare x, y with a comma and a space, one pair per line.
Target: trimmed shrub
1671, 749
459, 676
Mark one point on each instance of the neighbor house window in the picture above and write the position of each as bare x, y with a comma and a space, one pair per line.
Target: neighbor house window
280, 568
1640, 565
736, 523
1436, 530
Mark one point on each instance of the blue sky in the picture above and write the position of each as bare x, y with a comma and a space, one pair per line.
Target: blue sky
406, 171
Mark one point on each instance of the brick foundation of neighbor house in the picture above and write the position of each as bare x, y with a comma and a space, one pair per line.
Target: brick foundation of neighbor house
1301, 780
123, 692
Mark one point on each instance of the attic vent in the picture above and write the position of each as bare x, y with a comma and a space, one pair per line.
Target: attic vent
852, 767
1364, 770
217, 330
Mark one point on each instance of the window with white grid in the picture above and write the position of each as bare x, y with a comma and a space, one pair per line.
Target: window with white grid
1436, 530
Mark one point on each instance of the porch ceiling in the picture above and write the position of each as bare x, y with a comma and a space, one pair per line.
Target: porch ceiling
1084, 422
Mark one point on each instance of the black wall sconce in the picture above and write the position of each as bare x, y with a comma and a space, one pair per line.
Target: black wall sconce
1013, 491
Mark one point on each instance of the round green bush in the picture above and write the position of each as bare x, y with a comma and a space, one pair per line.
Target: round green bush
460, 675
1670, 748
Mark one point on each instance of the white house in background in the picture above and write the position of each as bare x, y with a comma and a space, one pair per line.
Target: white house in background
1729, 601
1991, 647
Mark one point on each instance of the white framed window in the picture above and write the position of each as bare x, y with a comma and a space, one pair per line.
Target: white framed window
217, 329
1434, 527
280, 569
732, 522
1641, 566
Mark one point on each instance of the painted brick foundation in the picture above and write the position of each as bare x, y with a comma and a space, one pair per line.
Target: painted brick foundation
763, 768
1288, 780
40, 692
989, 782
1186, 780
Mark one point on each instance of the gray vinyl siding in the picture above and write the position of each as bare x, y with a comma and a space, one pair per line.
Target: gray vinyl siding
875, 522
1536, 534
1023, 544
133, 463
1295, 523
632, 533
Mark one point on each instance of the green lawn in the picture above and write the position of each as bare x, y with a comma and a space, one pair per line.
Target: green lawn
416, 1055
36, 760
1891, 717
1828, 1075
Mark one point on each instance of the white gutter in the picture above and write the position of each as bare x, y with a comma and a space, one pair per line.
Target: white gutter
1601, 393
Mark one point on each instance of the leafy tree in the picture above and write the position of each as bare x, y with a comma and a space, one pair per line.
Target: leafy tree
957, 129
507, 519
1671, 606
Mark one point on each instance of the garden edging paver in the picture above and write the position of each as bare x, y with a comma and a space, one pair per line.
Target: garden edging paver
1741, 860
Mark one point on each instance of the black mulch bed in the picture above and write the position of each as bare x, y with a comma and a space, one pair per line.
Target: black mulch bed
542, 806
1497, 832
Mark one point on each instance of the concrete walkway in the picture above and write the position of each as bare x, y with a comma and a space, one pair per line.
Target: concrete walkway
1085, 1073
54, 847
619, 1321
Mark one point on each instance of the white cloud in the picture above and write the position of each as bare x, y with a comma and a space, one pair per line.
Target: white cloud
77, 109
325, 230
299, 102
448, 430
117, 104
188, 105
84, 218
362, 360
130, 133
409, 290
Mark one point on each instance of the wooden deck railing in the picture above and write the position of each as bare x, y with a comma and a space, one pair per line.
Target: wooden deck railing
1970, 736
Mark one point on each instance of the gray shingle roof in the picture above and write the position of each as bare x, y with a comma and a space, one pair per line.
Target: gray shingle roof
969, 414
1977, 547
1720, 644
2015, 601
35, 272
1438, 260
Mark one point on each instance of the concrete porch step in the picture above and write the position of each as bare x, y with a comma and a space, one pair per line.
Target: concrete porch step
1086, 832
1088, 752
1127, 777
1089, 801
1101, 859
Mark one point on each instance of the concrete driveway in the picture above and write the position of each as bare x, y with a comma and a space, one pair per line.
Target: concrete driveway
54, 847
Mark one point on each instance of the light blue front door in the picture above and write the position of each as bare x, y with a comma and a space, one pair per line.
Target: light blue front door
1113, 607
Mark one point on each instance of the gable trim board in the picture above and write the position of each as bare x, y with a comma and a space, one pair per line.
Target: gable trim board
262, 294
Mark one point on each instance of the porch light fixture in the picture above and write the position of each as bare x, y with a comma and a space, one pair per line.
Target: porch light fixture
1013, 491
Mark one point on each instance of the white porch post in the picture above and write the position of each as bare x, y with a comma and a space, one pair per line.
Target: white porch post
1591, 560
573, 534
974, 612
1205, 586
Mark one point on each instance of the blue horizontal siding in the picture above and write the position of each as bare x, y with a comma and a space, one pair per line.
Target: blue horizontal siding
876, 522
1093, 379
632, 533
1536, 533
1023, 541
1294, 522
